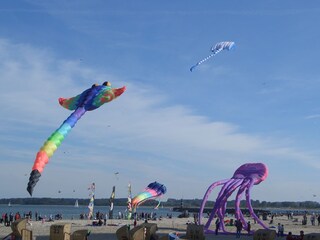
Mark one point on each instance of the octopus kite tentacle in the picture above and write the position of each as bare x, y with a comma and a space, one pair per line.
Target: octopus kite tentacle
205, 198
248, 199
238, 212
223, 208
221, 201
224, 199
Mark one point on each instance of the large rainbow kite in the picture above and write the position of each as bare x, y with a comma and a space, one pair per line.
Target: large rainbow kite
152, 191
89, 100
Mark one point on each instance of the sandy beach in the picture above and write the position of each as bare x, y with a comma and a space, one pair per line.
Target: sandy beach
41, 230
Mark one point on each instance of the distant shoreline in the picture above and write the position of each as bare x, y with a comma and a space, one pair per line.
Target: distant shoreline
176, 204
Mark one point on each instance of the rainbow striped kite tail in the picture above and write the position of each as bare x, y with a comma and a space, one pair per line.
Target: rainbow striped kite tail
33, 179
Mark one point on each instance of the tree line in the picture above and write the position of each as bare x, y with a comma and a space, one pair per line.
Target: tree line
170, 202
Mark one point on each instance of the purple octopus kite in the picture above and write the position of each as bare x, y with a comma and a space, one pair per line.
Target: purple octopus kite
244, 178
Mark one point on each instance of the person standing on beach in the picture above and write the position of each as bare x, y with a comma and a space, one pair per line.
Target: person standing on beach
279, 229
282, 230
217, 225
248, 227
313, 219
239, 228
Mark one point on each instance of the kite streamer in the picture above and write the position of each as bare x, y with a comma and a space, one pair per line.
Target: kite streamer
111, 200
92, 190
129, 204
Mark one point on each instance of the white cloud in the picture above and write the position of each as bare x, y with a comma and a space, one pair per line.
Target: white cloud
141, 134
313, 116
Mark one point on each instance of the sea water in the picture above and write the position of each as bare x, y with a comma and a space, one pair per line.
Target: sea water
72, 212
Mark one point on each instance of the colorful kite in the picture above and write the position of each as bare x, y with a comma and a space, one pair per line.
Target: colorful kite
243, 179
111, 200
89, 100
92, 190
154, 190
129, 204
215, 49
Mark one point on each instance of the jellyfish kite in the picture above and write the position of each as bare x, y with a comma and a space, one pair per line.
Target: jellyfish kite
215, 49
89, 100
152, 191
243, 179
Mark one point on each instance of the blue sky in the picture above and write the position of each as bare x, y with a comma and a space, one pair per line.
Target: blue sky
256, 103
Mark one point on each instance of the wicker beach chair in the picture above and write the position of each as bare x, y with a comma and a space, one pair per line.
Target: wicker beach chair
61, 231
264, 234
151, 229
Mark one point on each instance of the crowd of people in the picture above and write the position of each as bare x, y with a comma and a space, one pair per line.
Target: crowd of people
238, 225
291, 237
280, 231
8, 218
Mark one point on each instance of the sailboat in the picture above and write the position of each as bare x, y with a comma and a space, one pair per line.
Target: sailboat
9, 204
76, 204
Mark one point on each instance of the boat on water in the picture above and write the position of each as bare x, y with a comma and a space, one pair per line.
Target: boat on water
76, 204
9, 204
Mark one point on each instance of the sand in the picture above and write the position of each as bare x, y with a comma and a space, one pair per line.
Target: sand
42, 230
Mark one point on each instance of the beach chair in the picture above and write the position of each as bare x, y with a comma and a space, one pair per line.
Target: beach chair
122, 233
312, 236
264, 234
80, 234
17, 227
194, 232
136, 233
26, 234
151, 229
20, 231
61, 231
